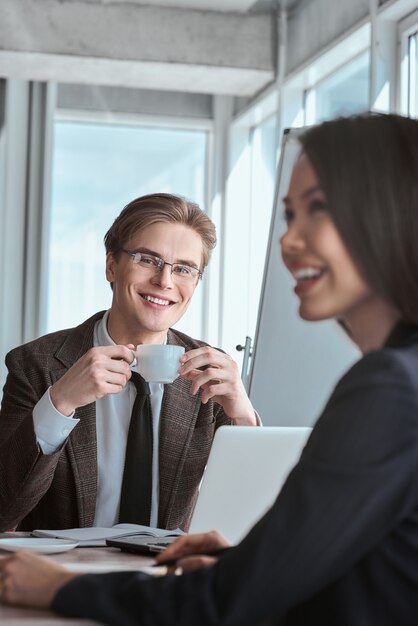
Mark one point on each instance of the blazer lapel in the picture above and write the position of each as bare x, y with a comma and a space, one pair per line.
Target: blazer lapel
178, 416
179, 411
82, 445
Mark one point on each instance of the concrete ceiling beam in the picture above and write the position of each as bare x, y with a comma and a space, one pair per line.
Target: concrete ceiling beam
138, 46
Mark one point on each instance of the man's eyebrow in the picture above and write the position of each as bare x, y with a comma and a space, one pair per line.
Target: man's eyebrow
146, 251
157, 254
308, 192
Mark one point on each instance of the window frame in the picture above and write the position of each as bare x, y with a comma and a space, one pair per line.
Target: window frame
406, 27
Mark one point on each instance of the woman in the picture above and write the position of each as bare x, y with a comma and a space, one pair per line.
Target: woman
340, 544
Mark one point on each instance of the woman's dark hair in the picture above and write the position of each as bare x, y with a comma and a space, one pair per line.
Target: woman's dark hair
368, 169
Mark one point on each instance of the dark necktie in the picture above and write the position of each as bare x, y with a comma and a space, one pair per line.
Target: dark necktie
135, 502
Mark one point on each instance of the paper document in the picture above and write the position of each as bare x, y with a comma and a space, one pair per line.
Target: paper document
96, 536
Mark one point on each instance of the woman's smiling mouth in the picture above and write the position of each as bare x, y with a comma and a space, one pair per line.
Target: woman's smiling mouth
307, 273
306, 277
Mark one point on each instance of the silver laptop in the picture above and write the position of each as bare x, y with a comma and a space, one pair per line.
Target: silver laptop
245, 471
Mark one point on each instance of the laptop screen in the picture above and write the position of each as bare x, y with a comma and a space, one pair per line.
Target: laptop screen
246, 469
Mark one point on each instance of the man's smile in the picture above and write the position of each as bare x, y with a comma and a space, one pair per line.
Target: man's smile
156, 300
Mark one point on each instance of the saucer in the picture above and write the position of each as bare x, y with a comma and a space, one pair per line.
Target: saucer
35, 544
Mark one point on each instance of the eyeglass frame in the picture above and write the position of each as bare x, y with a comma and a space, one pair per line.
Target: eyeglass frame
162, 263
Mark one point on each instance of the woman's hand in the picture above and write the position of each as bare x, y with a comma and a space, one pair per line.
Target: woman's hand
192, 551
27, 579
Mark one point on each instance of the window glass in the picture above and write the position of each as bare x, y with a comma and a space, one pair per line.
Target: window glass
97, 169
248, 216
412, 75
263, 174
343, 92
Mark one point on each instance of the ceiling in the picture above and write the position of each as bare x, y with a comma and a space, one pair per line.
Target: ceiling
240, 6
206, 56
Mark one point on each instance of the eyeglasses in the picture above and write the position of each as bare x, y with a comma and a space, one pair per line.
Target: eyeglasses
180, 271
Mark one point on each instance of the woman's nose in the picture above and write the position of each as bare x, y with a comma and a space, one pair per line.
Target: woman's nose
292, 240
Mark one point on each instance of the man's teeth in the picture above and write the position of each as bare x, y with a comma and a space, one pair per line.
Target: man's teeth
306, 273
157, 300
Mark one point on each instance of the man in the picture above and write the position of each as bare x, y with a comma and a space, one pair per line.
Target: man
68, 397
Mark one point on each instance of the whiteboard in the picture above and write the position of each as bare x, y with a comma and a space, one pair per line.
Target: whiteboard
295, 364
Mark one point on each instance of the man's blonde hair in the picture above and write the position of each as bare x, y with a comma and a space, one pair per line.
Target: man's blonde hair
160, 207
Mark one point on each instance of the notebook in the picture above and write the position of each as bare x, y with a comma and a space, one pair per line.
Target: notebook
245, 471
96, 536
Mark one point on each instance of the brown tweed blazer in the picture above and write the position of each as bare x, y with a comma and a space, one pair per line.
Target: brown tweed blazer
59, 490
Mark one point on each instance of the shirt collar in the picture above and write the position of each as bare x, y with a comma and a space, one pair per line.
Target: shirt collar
101, 335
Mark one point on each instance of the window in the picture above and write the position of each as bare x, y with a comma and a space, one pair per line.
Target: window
343, 92
263, 175
250, 200
408, 40
409, 74
97, 169
413, 75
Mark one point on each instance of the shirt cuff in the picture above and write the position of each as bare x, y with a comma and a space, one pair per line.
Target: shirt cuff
257, 419
51, 427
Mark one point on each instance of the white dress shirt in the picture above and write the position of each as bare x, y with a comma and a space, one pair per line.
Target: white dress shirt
113, 414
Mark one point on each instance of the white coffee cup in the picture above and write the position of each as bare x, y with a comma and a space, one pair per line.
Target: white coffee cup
157, 363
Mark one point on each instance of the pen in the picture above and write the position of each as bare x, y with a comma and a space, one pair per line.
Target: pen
217, 552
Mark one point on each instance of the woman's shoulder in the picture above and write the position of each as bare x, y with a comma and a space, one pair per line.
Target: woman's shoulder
372, 413
393, 367
376, 399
